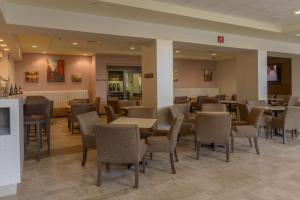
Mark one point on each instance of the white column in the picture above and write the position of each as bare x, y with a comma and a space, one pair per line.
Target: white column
252, 83
295, 77
157, 80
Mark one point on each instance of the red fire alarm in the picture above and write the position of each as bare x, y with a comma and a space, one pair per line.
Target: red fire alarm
220, 39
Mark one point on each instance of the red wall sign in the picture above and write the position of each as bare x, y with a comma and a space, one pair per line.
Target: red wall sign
220, 39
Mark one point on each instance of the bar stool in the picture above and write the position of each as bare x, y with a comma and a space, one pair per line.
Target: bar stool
38, 121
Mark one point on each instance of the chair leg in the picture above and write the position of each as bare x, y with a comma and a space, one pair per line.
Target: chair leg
195, 140
176, 155
137, 171
250, 142
198, 150
283, 137
48, 137
144, 165
172, 163
84, 156
227, 152
107, 167
232, 144
151, 156
99, 177
72, 128
256, 145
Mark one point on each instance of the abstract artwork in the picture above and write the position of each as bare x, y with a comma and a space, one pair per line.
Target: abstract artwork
32, 77
55, 70
76, 78
208, 74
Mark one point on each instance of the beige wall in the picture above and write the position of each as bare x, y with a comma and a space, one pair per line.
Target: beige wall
226, 76
7, 68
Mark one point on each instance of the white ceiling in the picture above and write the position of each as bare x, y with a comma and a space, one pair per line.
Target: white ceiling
278, 12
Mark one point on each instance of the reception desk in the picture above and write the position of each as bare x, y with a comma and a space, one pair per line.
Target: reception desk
11, 144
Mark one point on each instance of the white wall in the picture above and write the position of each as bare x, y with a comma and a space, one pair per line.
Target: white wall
226, 76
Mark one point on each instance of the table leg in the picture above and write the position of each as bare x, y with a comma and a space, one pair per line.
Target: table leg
38, 141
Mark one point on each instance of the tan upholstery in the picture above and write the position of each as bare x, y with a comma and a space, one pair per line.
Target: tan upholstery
87, 123
187, 124
119, 144
290, 122
249, 129
181, 100
213, 127
200, 101
213, 107
168, 143
77, 109
292, 101
97, 104
115, 104
110, 114
243, 112
221, 97
266, 118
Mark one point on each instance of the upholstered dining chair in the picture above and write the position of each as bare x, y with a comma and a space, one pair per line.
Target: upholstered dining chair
243, 112
77, 109
188, 122
110, 113
115, 104
248, 129
119, 144
181, 99
290, 122
200, 101
213, 127
221, 97
168, 142
97, 104
87, 123
213, 107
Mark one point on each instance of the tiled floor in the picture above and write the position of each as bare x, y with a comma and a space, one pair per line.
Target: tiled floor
272, 175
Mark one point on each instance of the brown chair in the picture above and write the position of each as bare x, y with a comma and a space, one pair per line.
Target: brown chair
234, 97
167, 144
243, 112
213, 127
119, 144
187, 124
213, 107
77, 109
181, 100
249, 129
115, 104
78, 101
211, 100
221, 97
200, 101
110, 114
87, 123
97, 104
290, 122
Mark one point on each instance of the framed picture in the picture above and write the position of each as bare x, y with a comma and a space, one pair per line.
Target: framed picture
175, 75
76, 78
55, 70
32, 77
208, 74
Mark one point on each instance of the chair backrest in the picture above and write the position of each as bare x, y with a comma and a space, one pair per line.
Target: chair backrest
77, 109
110, 113
213, 107
97, 104
213, 127
183, 108
78, 101
38, 108
221, 97
117, 143
243, 112
141, 112
115, 104
234, 97
256, 103
297, 104
87, 122
292, 118
181, 99
292, 100
211, 100
200, 101
177, 119
33, 99
255, 116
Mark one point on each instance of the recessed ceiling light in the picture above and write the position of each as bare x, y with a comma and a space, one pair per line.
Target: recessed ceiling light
132, 48
297, 12
44, 52
75, 43
177, 51
213, 54
6, 49
298, 34
85, 54
1, 40
3, 45
34, 46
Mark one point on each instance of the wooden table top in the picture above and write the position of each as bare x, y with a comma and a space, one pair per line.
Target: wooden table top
140, 122
273, 108
229, 102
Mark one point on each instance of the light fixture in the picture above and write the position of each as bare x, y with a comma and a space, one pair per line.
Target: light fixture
3, 45
297, 12
177, 51
85, 54
132, 48
34, 46
1, 40
298, 34
44, 52
6, 49
75, 43
213, 54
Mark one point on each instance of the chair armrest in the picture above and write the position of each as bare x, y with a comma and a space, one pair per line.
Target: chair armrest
246, 131
160, 132
239, 123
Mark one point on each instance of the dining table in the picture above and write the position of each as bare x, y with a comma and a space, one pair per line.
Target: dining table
274, 109
142, 123
230, 103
